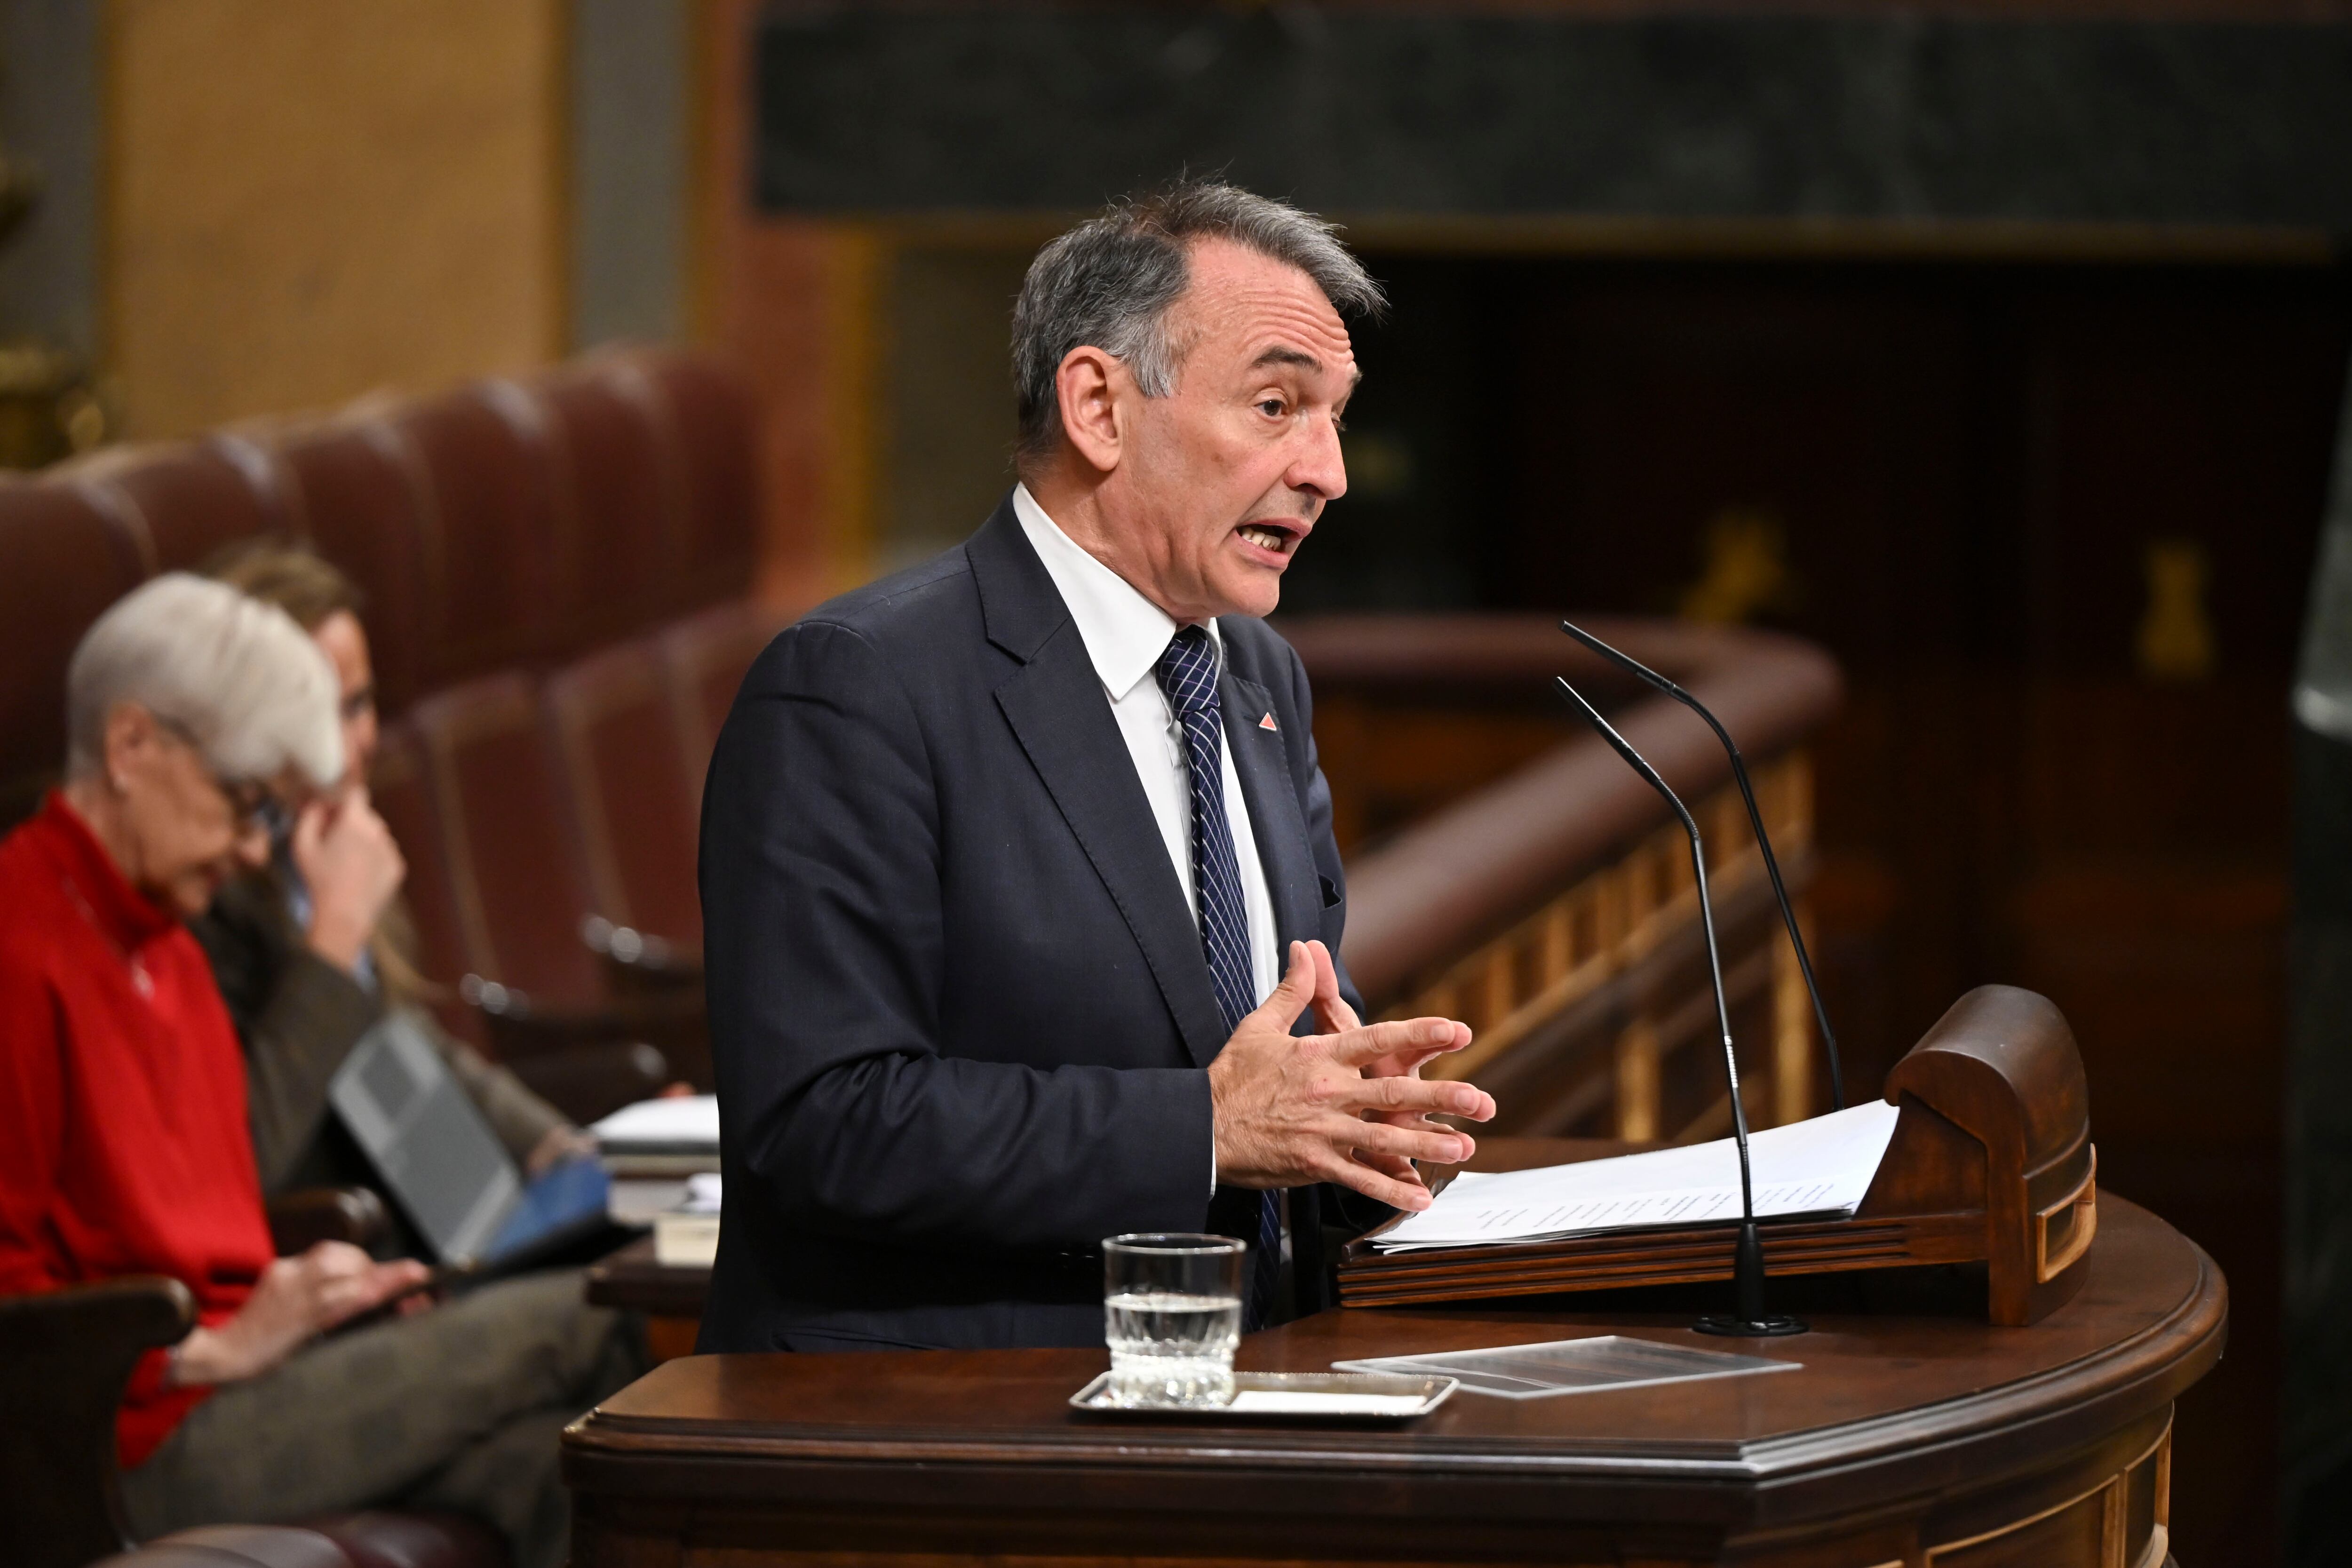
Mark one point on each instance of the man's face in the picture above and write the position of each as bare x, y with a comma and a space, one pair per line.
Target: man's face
341, 638
1227, 475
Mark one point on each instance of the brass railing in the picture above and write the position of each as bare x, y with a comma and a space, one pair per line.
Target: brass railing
1554, 910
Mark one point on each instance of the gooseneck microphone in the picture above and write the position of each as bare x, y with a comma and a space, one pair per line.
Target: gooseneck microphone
1749, 1319
1763, 840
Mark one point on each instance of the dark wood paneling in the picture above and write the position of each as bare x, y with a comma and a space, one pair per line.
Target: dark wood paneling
1965, 468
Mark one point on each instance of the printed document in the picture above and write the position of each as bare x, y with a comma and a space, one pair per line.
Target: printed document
1819, 1167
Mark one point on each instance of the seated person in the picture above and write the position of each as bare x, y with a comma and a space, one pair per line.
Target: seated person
312, 949
123, 1142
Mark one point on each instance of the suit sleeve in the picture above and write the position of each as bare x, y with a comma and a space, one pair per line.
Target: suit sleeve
1315, 804
823, 944
297, 1015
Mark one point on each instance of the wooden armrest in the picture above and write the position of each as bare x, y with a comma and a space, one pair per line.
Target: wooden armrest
301, 1218
65, 1356
637, 964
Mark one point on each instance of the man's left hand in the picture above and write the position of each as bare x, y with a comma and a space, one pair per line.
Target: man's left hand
1335, 1016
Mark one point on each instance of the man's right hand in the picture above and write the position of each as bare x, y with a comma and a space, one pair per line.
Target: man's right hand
295, 1299
352, 868
1291, 1110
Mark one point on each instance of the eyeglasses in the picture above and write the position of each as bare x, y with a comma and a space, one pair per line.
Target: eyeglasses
254, 807
251, 805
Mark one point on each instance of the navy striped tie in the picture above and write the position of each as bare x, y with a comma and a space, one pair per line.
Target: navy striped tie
1188, 674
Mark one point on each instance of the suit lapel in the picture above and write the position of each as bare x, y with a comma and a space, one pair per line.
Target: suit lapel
1054, 704
1275, 821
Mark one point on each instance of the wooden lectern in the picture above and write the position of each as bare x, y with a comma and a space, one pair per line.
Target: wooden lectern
1991, 1162
1918, 1439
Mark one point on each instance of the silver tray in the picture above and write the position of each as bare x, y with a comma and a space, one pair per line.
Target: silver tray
1427, 1393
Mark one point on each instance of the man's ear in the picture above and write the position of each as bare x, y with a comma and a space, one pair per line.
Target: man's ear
1090, 384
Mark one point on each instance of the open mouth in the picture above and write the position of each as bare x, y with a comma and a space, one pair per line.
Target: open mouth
1272, 537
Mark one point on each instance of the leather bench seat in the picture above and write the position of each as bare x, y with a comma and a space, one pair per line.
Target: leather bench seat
374, 1538
555, 571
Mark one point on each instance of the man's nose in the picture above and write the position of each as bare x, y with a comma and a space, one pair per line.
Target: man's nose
1320, 467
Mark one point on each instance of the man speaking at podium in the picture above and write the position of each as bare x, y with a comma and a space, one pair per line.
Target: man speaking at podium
1020, 902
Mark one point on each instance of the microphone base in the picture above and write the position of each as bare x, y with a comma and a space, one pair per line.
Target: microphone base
1772, 1326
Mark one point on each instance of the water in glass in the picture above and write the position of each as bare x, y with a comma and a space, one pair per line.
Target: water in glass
1172, 1313
1167, 1348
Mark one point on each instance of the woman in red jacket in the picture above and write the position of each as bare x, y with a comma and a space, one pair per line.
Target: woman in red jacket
123, 1140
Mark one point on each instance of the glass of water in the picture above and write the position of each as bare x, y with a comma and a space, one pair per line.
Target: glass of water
1173, 1312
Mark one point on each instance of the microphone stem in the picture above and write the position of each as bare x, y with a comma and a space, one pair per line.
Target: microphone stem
1722, 1017
1763, 839
1651, 776
1748, 1251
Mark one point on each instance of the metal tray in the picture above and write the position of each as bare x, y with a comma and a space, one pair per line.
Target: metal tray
1304, 1389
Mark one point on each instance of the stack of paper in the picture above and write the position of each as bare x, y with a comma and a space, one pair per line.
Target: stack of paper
651, 1148
675, 1136
1820, 1167
688, 1235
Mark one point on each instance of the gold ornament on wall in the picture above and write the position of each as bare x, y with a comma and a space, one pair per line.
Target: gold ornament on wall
2176, 642
47, 408
1744, 570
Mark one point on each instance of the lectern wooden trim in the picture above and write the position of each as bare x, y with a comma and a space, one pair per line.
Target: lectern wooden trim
1927, 1441
1991, 1162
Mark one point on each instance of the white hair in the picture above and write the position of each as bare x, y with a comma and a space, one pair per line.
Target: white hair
246, 685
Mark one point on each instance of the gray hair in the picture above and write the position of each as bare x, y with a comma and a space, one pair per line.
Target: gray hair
246, 685
1109, 282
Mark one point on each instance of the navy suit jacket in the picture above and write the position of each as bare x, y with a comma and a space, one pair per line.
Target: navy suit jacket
959, 1008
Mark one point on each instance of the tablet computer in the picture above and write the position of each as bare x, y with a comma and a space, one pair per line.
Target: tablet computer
437, 1155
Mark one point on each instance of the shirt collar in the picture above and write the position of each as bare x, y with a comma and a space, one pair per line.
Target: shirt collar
1125, 633
127, 917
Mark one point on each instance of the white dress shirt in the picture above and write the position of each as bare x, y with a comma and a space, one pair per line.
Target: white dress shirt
1125, 635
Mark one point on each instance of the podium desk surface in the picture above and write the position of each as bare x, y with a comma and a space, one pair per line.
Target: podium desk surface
1902, 1440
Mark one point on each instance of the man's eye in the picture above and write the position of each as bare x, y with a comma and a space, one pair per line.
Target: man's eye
1271, 407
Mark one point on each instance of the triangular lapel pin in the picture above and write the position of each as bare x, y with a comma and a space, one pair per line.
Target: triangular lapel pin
1267, 722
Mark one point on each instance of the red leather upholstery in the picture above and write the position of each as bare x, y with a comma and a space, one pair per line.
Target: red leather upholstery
181, 503
706, 412
404, 798
236, 1546
628, 496
704, 660
377, 1539
366, 1540
62, 562
635, 771
358, 491
500, 550
497, 533
508, 836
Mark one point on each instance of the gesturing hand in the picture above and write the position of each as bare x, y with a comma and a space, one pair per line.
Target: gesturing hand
1290, 1110
295, 1299
1332, 1011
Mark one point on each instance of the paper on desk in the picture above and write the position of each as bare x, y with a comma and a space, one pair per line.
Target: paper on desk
681, 1123
1819, 1166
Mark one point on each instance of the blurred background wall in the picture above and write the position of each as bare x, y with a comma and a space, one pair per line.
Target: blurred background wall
246, 208
1998, 346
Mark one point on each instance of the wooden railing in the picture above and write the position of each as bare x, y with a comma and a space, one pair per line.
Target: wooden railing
1553, 908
